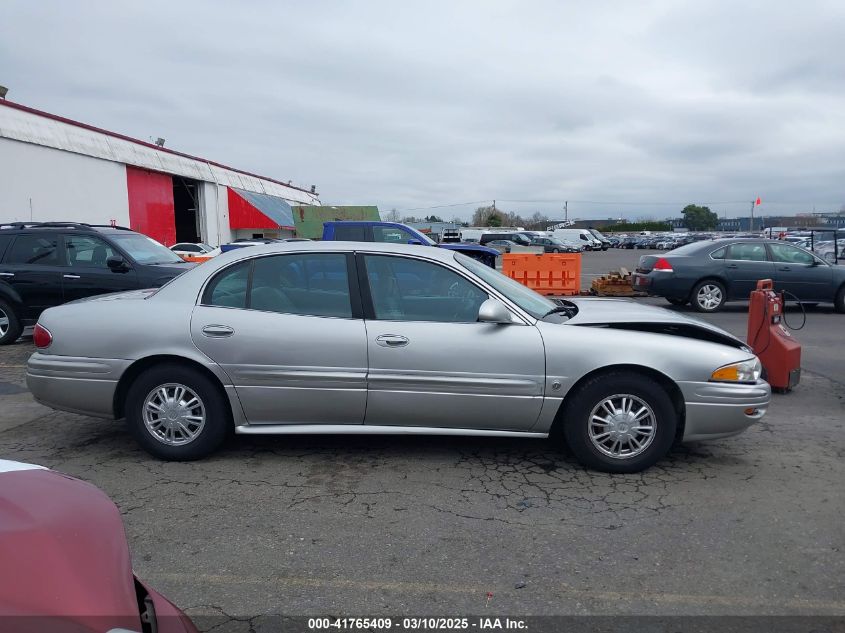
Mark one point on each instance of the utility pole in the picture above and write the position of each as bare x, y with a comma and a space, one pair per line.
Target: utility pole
753, 202
566, 211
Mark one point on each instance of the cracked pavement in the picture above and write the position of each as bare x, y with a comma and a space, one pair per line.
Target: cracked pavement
320, 525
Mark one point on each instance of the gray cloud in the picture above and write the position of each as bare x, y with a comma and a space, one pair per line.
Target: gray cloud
411, 105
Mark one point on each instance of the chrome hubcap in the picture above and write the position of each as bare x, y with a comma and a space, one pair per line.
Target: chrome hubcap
4, 323
173, 414
622, 426
709, 296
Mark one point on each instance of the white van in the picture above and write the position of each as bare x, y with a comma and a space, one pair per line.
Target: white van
579, 236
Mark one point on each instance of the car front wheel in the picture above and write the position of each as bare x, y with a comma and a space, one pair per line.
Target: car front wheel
708, 296
839, 301
177, 413
10, 325
620, 422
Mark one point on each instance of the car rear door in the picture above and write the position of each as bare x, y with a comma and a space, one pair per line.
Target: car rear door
288, 330
87, 273
800, 273
33, 267
432, 364
745, 264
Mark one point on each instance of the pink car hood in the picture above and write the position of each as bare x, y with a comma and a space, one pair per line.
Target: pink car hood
64, 553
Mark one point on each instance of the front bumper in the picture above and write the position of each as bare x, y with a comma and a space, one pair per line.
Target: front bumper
715, 409
75, 384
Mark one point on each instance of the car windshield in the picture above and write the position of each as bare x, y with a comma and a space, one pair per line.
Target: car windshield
146, 250
534, 304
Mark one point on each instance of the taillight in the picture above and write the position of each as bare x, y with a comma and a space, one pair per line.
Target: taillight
663, 264
41, 336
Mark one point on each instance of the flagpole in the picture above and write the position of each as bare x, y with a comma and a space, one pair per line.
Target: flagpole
753, 203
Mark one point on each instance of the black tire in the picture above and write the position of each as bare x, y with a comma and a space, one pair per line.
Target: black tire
839, 301
580, 405
13, 328
677, 302
218, 415
555, 250
699, 304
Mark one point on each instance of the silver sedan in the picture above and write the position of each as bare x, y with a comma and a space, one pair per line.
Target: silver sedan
373, 338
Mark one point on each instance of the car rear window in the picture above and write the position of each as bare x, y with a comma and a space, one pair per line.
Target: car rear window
689, 249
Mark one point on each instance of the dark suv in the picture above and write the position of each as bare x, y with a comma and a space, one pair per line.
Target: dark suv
43, 264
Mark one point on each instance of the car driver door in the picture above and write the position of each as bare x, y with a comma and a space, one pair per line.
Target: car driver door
432, 364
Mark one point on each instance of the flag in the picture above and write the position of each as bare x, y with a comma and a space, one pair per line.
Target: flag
757, 204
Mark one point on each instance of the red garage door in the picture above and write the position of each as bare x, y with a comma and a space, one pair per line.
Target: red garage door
151, 209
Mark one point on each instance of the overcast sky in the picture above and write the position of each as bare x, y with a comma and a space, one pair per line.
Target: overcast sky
417, 104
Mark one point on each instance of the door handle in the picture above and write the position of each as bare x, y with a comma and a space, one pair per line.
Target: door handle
7, 274
732, 266
71, 276
392, 340
784, 268
217, 331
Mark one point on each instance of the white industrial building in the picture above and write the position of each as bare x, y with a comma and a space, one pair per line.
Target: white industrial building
56, 169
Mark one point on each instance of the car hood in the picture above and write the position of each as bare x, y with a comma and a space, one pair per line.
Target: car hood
631, 315
64, 552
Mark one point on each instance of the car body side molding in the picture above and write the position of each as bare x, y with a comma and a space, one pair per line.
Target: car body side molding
363, 429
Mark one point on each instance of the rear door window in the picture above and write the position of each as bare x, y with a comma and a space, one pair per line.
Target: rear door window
35, 250
313, 284
747, 252
351, 233
5, 240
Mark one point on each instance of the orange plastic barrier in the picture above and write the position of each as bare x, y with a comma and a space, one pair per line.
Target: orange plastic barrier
548, 274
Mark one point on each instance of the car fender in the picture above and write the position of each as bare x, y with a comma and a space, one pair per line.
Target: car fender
573, 351
9, 294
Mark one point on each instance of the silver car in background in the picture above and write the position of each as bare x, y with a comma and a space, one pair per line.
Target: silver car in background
345, 337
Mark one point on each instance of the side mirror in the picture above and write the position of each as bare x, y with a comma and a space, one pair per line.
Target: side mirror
493, 311
415, 242
117, 264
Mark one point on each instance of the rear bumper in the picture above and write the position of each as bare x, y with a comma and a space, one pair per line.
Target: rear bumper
660, 284
75, 384
715, 410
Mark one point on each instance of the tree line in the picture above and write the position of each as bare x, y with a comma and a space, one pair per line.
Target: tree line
696, 218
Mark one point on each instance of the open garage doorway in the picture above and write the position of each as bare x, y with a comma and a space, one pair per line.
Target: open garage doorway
186, 204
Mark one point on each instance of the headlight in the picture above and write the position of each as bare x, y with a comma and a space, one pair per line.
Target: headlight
746, 371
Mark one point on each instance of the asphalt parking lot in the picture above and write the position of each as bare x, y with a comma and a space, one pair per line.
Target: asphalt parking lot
368, 526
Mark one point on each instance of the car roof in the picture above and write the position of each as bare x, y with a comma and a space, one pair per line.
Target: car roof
63, 226
429, 252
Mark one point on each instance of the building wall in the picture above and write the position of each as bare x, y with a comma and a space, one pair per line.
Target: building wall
61, 186
309, 219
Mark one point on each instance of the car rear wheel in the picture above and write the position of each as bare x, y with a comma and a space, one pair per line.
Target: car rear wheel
177, 413
708, 296
620, 422
10, 324
676, 302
